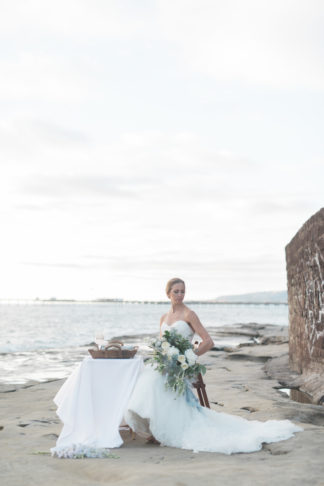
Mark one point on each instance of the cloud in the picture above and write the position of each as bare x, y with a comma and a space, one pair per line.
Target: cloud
277, 44
255, 42
166, 263
41, 132
78, 186
32, 75
279, 206
34, 145
95, 19
157, 134
50, 54
57, 162
153, 152
72, 266
65, 170
50, 133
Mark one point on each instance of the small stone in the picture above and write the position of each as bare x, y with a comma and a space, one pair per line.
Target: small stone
249, 409
51, 436
229, 349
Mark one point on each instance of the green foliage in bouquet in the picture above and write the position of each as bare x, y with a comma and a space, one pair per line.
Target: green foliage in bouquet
174, 358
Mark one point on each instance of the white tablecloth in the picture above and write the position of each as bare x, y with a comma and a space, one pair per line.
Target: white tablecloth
92, 401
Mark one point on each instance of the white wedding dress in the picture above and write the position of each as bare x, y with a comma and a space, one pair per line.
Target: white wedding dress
180, 421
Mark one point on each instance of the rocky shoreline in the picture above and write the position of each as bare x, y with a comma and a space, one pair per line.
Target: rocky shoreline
243, 379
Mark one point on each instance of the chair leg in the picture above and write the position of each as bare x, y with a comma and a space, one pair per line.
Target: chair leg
131, 431
201, 391
201, 400
205, 396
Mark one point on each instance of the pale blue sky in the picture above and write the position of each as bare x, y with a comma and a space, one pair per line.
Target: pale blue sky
145, 140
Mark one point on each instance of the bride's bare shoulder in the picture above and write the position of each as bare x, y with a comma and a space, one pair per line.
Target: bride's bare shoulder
188, 311
190, 315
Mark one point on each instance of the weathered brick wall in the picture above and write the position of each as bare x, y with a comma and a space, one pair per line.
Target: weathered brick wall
305, 273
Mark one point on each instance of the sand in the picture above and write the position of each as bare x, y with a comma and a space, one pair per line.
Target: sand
236, 383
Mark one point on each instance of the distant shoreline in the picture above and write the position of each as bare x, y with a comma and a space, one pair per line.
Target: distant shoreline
122, 301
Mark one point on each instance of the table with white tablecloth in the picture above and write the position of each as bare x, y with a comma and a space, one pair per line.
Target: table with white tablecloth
92, 401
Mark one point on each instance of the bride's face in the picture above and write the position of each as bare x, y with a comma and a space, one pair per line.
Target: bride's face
177, 293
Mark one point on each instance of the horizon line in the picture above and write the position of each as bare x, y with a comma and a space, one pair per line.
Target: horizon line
136, 301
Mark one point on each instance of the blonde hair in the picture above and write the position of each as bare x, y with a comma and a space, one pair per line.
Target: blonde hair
171, 283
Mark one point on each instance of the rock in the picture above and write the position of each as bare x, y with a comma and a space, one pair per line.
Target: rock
278, 369
224, 368
23, 460
275, 449
274, 340
51, 436
7, 388
248, 357
246, 345
305, 273
240, 386
303, 412
249, 409
229, 349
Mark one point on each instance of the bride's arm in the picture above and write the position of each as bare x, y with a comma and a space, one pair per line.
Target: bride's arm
207, 343
161, 322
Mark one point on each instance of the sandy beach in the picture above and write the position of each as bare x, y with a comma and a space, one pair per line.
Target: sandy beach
237, 383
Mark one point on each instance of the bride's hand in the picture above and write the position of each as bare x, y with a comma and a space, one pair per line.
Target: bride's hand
206, 341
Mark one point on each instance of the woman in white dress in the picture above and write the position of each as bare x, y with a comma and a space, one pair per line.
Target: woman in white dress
163, 416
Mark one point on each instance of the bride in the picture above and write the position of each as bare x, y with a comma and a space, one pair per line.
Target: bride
162, 416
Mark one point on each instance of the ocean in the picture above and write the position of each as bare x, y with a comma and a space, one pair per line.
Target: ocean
43, 341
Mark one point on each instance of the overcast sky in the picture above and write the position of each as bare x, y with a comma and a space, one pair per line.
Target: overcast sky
142, 140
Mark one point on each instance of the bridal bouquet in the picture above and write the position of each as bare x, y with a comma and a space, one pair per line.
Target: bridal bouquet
175, 359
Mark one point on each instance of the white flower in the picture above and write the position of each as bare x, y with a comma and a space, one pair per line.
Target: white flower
165, 345
191, 357
184, 366
172, 351
181, 358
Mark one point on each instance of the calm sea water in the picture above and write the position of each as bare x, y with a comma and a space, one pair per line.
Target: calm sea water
45, 341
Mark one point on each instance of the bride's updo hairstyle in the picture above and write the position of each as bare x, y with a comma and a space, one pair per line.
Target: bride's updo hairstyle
171, 283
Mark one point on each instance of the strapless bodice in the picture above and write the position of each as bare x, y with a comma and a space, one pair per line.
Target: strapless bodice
182, 327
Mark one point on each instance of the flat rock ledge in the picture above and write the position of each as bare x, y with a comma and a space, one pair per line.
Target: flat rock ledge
244, 380
310, 382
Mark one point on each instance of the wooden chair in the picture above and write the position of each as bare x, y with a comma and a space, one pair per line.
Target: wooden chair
200, 386
129, 429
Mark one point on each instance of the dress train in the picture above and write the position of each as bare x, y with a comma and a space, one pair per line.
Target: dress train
180, 421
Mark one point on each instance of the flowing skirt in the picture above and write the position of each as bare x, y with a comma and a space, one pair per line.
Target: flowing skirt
180, 421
